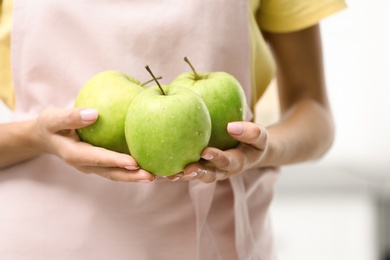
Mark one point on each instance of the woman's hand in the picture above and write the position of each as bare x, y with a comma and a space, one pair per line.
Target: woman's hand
56, 135
305, 130
219, 165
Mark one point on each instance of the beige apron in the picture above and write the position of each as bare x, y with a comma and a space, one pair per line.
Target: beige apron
51, 211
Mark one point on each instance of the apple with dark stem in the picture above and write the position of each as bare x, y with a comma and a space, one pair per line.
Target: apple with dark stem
224, 98
167, 128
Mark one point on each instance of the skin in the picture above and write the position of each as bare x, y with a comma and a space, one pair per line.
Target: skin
53, 132
304, 132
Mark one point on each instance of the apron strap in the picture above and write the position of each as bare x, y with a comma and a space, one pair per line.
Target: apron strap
245, 241
202, 196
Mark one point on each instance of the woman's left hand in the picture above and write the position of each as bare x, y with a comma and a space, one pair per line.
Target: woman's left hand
218, 165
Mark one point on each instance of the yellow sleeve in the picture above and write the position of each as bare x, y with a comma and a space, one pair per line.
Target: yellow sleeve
262, 63
6, 86
292, 15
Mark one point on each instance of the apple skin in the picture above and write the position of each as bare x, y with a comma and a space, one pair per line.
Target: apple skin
111, 93
165, 133
224, 98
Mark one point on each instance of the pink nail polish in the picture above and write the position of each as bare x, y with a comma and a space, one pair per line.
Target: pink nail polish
89, 114
145, 181
131, 168
192, 174
201, 171
208, 156
176, 178
235, 128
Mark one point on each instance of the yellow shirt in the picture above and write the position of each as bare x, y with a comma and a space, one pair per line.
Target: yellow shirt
6, 88
270, 15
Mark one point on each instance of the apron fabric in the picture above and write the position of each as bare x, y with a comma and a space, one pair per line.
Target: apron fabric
51, 211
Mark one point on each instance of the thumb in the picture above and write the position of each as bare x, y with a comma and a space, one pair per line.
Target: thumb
74, 118
250, 133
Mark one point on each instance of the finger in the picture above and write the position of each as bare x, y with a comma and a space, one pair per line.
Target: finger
119, 174
60, 119
208, 176
206, 173
175, 177
218, 158
250, 133
79, 154
231, 160
212, 174
182, 176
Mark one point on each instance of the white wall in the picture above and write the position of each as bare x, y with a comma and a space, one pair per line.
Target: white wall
357, 60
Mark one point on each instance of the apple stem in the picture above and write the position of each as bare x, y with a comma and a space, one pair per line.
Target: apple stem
192, 68
154, 78
143, 84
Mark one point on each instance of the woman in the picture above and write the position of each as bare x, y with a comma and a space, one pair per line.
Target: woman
217, 208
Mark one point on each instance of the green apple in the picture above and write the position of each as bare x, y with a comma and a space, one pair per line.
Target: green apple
167, 128
111, 93
224, 98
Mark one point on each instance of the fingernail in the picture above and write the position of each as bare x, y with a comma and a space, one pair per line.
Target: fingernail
192, 174
175, 179
208, 156
89, 114
235, 128
145, 181
201, 171
131, 168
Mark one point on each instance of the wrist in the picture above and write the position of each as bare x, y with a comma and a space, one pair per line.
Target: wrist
18, 142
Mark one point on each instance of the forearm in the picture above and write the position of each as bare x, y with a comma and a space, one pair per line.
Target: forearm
305, 132
17, 143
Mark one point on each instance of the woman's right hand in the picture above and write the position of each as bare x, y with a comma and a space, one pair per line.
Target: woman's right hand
56, 134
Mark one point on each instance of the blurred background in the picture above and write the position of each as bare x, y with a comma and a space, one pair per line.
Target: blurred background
339, 207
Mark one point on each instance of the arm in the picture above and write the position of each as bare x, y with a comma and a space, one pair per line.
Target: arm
305, 130
17, 143
53, 132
